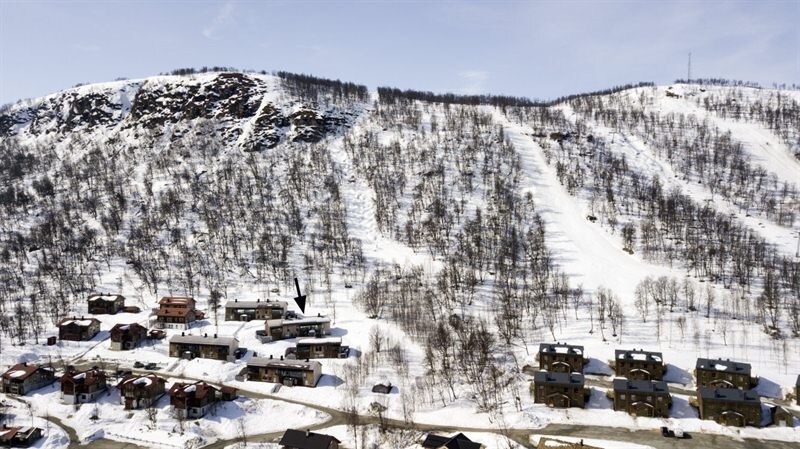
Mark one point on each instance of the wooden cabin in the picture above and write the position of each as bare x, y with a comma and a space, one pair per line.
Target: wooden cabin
303, 439
23, 378
642, 397
457, 441
140, 391
78, 329
127, 336
176, 312
194, 400
17, 436
105, 304
79, 387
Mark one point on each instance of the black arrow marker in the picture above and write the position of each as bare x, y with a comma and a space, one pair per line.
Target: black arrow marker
300, 299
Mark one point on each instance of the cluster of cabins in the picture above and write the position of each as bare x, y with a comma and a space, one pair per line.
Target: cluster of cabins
724, 393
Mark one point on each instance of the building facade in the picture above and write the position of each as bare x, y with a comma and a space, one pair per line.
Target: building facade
642, 398
723, 374
639, 364
23, 378
730, 406
559, 390
137, 391
254, 310
321, 348
303, 327
303, 439
193, 400
105, 304
203, 346
78, 387
78, 329
176, 312
127, 336
287, 372
561, 358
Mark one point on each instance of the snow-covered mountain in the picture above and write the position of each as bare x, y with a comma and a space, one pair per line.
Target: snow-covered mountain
447, 236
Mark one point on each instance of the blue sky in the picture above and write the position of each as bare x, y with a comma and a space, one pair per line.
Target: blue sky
533, 49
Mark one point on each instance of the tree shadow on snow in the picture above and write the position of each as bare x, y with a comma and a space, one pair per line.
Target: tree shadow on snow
677, 375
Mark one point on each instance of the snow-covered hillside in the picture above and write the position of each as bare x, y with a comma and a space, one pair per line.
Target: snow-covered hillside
446, 240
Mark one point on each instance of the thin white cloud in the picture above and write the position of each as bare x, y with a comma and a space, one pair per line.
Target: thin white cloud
223, 18
474, 81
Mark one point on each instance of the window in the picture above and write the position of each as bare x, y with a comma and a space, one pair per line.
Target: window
622, 397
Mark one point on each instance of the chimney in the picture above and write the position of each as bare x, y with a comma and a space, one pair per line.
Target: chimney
307, 433
183, 334
205, 335
215, 335
270, 356
258, 299
235, 299
319, 315
281, 357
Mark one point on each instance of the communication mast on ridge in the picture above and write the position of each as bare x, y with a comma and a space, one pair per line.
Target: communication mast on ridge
689, 69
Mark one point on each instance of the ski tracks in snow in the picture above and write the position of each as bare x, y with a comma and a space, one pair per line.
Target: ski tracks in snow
582, 249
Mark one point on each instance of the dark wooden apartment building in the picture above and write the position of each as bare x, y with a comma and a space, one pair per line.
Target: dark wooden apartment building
642, 398
560, 390
127, 336
140, 391
321, 348
457, 441
303, 327
639, 364
78, 329
730, 406
723, 374
78, 387
203, 346
176, 312
237, 310
291, 373
105, 304
561, 358
23, 378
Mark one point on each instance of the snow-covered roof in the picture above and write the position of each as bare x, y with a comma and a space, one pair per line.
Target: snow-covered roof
320, 341
201, 340
255, 304
82, 322
104, 297
723, 365
728, 394
639, 355
290, 364
310, 320
546, 377
560, 348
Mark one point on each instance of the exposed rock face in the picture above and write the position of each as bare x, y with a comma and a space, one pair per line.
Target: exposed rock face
222, 105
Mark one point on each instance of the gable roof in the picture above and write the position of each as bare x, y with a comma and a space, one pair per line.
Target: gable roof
236, 304
82, 322
132, 327
143, 382
285, 364
198, 390
204, 340
101, 297
726, 366
302, 439
176, 301
457, 441
88, 377
22, 371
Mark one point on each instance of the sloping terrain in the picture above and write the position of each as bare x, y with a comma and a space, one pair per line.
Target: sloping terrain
446, 237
